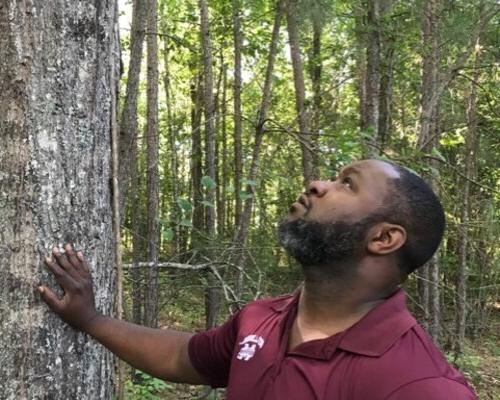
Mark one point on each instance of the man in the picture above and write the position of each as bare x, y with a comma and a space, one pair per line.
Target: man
346, 335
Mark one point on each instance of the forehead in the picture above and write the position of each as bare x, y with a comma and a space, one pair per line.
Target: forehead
374, 169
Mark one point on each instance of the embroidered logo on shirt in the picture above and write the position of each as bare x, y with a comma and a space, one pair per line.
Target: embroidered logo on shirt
249, 347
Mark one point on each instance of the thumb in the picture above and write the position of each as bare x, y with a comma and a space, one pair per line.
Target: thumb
50, 298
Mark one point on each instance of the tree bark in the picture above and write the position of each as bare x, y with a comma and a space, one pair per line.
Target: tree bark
360, 34
428, 137
171, 163
55, 122
372, 76
300, 94
211, 292
224, 173
196, 159
316, 70
135, 273
238, 160
209, 111
385, 100
128, 124
470, 146
152, 176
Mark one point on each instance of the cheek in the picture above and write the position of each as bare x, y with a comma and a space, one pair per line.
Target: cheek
341, 211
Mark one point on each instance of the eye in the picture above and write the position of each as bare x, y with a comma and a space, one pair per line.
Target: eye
347, 181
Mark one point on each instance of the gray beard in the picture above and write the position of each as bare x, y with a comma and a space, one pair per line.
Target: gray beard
326, 245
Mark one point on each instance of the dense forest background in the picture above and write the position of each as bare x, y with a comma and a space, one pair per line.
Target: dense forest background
227, 109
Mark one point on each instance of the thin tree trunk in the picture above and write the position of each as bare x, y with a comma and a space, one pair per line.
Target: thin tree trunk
470, 145
372, 81
223, 208
242, 231
316, 70
209, 110
128, 124
428, 132
221, 147
360, 33
55, 126
300, 94
171, 163
238, 160
211, 292
152, 179
196, 160
385, 102
135, 273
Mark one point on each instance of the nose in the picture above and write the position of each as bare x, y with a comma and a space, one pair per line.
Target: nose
318, 188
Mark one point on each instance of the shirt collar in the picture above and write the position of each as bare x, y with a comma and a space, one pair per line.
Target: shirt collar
379, 329
371, 336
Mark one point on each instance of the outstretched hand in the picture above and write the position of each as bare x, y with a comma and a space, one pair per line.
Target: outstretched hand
77, 306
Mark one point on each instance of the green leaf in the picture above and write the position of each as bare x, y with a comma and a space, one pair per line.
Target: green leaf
208, 203
168, 234
184, 204
435, 152
245, 196
249, 182
186, 222
208, 182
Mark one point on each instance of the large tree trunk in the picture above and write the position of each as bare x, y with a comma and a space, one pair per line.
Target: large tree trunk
308, 166
55, 114
152, 141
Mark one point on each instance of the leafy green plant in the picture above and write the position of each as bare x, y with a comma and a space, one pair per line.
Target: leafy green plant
147, 388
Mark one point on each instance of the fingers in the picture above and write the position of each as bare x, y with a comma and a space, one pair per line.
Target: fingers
63, 262
62, 277
84, 264
51, 299
76, 260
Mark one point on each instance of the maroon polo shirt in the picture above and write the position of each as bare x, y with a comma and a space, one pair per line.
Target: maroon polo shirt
384, 356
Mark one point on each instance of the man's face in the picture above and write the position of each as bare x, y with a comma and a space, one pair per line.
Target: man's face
329, 222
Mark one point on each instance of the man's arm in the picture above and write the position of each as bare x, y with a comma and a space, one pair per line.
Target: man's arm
161, 353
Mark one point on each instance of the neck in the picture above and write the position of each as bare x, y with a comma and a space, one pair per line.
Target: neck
330, 304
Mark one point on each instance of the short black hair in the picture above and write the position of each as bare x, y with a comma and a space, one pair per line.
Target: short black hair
414, 206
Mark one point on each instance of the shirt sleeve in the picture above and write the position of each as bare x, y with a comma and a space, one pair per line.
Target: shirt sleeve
210, 352
438, 388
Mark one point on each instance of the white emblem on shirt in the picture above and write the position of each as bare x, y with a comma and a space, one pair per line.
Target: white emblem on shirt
249, 347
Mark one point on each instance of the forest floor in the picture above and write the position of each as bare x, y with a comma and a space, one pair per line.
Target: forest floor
480, 362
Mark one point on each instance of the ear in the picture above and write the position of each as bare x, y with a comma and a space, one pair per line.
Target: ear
385, 238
